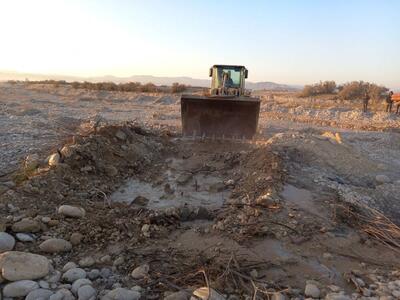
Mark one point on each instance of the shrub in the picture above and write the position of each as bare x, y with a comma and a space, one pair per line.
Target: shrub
357, 89
321, 88
148, 88
178, 88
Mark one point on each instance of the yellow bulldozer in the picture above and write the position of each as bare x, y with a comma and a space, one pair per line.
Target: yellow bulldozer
227, 110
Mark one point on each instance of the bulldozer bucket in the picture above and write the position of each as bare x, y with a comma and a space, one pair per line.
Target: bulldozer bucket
219, 117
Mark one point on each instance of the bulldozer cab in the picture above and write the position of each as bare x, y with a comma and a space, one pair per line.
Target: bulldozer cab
228, 80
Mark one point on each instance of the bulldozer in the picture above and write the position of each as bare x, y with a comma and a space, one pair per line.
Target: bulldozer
227, 110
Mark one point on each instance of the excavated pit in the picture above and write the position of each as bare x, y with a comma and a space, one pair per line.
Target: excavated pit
187, 205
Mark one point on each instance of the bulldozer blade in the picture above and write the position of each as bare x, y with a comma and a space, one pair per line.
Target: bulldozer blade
219, 117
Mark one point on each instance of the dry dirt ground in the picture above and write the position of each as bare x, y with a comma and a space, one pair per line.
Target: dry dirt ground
309, 209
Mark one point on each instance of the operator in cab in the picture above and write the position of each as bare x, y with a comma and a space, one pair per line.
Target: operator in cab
227, 80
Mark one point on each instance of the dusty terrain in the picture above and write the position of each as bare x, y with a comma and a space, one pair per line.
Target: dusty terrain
309, 209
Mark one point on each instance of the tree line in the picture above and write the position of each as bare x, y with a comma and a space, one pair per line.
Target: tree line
112, 86
348, 91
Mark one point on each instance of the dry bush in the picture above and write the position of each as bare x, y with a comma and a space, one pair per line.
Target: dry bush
357, 89
321, 88
148, 88
178, 88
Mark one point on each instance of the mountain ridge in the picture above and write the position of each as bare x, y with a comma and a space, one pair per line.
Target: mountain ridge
158, 80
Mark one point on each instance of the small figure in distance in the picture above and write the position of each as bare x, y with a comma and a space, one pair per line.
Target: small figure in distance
366, 99
389, 102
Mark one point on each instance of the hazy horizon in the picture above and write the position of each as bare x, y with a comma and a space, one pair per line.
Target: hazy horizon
289, 42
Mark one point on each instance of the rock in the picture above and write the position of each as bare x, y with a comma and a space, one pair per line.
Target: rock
334, 288
94, 274
146, 229
67, 151
140, 272
71, 211
31, 161
74, 274
111, 171
181, 295
87, 262
44, 284
337, 296
55, 246
68, 266
62, 294
312, 290
42, 294
382, 179
278, 296
120, 135
119, 261
140, 200
20, 266
46, 220
78, 284
105, 273
7, 242
26, 225
76, 238
53, 277
396, 294
327, 255
19, 288
106, 259
205, 294
121, 294
86, 292
254, 273
53, 159
25, 237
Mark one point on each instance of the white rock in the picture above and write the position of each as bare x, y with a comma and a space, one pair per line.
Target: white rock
382, 179
53, 159
78, 284
337, 296
71, 211
68, 266
87, 262
121, 294
207, 294
7, 242
140, 272
86, 292
21, 265
42, 294
74, 274
312, 290
25, 237
55, 246
19, 288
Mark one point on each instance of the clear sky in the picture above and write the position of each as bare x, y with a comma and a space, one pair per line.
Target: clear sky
285, 41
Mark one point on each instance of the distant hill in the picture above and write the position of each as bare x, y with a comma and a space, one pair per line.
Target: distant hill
9, 75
